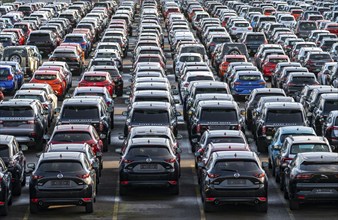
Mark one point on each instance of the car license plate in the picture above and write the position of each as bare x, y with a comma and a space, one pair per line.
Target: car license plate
60, 183
323, 190
148, 166
236, 182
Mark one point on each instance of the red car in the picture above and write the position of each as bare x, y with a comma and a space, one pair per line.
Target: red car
332, 27
77, 134
271, 62
100, 79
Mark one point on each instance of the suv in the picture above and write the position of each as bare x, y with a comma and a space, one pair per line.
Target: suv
5, 188
87, 110
303, 28
232, 177
11, 154
46, 41
24, 55
151, 113
26, 119
214, 115
66, 178
253, 40
275, 115
294, 145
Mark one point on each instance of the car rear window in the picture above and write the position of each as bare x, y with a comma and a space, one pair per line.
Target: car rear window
90, 94
16, 111
149, 59
152, 99
249, 77
4, 72
73, 39
236, 59
148, 151
303, 80
39, 37
284, 116
330, 105
190, 59
199, 50
309, 147
4, 151
277, 60
210, 90
226, 140
320, 57
319, 166
255, 37
241, 25
236, 166
36, 97
220, 39
283, 136
198, 78
60, 166
95, 78
151, 116
80, 112
219, 115
287, 19
112, 72
45, 76
71, 137
103, 63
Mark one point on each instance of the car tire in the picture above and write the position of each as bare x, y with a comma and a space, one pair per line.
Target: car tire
4, 208
293, 204
15, 58
33, 208
122, 190
262, 207
16, 191
90, 207
234, 52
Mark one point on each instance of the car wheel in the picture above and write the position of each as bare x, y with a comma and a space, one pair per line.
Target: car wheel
122, 190
33, 208
15, 58
16, 188
293, 204
234, 52
4, 208
90, 207
262, 207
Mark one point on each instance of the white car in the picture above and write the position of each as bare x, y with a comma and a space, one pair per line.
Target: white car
287, 20
186, 57
240, 27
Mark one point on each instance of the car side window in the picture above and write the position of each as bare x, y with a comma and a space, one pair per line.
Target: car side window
284, 147
2, 166
275, 138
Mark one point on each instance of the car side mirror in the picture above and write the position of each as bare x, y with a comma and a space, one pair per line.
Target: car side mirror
125, 113
177, 101
31, 166
46, 137
333, 148
23, 147
38, 155
246, 98
178, 150
242, 112
178, 114
197, 154
201, 165
121, 137
127, 101
103, 136
118, 151
57, 110
174, 92
265, 164
179, 137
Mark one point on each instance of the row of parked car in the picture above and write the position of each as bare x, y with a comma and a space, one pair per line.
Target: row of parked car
82, 132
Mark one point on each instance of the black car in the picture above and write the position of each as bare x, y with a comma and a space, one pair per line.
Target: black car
311, 176
151, 114
234, 177
62, 178
45, 40
88, 110
15, 161
214, 115
5, 188
149, 162
326, 104
253, 40
26, 119
254, 98
275, 115
295, 82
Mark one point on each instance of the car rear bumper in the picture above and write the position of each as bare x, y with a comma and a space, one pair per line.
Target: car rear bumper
7, 85
316, 196
62, 201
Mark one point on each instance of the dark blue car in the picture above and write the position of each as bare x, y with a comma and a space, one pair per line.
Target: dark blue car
245, 81
9, 80
80, 39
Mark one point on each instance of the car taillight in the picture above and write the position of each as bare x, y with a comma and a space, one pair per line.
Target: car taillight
127, 161
36, 177
237, 83
213, 175
9, 77
303, 176
198, 128
84, 176
259, 175
233, 28
291, 84
186, 84
249, 28
262, 83
263, 130
30, 122
286, 159
171, 160
212, 44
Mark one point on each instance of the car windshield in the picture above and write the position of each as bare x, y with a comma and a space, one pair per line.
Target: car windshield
249, 77
148, 151
4, 151
315, 166
4, 72
73, 39
71, 137
45, 76
241, 25
210, 90
284, 116
260, 95
36, 97
220, 39
226, 140
283, 136
80, 112
90, 94
16, 111
287, 19
330, 105
60, 166
219, 115
94, 78
150, 116
303, 80
236, 166
190, 59
113, 47
309, 147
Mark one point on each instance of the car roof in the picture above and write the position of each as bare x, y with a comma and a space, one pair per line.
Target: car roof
149, 141
155, 105
307, 139
235, 155
73, 127
6, 139
318, 156
296, 129
144, 130
61, 156
69, 147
